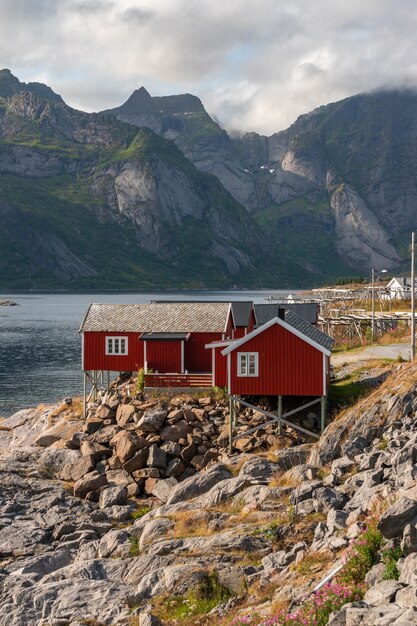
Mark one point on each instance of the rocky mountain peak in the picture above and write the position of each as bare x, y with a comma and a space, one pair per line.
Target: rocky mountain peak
10, 86
139, 101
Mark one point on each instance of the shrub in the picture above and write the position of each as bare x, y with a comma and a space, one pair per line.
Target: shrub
140, 385
207, 595
390, 558
140, 512
134, 546
362, 553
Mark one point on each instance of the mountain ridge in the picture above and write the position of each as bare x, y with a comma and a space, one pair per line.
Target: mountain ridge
331, 196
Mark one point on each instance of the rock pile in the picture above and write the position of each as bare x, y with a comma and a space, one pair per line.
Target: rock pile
148, 445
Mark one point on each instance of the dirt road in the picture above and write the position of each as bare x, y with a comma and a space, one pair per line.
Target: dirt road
390, 351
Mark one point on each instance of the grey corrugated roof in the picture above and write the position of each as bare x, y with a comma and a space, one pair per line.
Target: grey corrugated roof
306, 310
170, 317
164, 336
307, 329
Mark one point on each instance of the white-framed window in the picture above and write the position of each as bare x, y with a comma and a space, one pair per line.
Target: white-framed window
247, 363
116, 346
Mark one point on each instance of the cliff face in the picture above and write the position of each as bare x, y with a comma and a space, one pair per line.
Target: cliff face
88, 200
344, 171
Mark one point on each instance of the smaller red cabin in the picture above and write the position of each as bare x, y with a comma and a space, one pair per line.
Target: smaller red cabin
287, 356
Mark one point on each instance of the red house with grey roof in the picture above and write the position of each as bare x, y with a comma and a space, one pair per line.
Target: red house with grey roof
162, 338
205, 344
286, 356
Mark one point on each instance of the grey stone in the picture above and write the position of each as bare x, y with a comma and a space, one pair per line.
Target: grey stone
90, 482
409, 540
113, 495
152, 420
156, 457
198, 484
137, 461
397, 516
163, 488
259, 469
382, 593
155, 529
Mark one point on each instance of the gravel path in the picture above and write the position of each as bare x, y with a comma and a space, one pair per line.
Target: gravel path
390, 351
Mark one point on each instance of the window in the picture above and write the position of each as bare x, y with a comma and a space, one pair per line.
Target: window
116, 345
247, 364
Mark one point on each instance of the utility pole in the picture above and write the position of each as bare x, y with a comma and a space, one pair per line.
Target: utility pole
373, 305
413, 303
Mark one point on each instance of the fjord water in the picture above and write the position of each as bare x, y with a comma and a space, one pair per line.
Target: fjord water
40, 348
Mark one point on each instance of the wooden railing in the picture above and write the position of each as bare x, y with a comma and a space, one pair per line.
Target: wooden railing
178, 380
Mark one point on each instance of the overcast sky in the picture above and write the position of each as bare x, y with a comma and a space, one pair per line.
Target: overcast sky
256, 64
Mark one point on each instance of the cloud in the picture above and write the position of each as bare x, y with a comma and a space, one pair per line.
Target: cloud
256, 64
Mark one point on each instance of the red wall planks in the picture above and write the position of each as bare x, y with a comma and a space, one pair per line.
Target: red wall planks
288, 366
95, 357
197, 358
163, 356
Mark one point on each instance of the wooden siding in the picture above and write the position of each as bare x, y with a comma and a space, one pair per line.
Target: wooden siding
178, 380
95, 357
197, 358
288, 366
163, 356
220, 378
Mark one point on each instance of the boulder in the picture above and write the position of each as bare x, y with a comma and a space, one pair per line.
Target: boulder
163, 488
75, 471
198, 484
113, 495
397, 516
90, 482
156, 457
154, 529
125, 413
258, 469
382, 593
408, 571
409, 540
127, 443
137, 461
94, 450
175, 468
326, 498
152, 420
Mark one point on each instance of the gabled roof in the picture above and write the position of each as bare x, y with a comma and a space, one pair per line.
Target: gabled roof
296, 325
169, 317
241, 311
306, 310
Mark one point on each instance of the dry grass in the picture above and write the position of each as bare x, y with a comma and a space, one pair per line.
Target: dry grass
313, 563
190, 524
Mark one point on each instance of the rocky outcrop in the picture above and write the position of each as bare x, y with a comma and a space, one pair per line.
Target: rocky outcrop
94, 527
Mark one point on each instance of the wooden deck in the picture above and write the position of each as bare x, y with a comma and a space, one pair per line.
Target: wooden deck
178, 380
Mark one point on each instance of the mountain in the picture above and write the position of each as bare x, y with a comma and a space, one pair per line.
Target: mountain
336, 189
87, 201
155, 193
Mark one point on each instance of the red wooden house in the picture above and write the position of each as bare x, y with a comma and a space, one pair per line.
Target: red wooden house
166, 339
286, 356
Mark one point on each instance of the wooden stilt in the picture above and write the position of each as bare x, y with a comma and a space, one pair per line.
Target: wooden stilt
85, 396
279, 415
323, 413
231, 411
